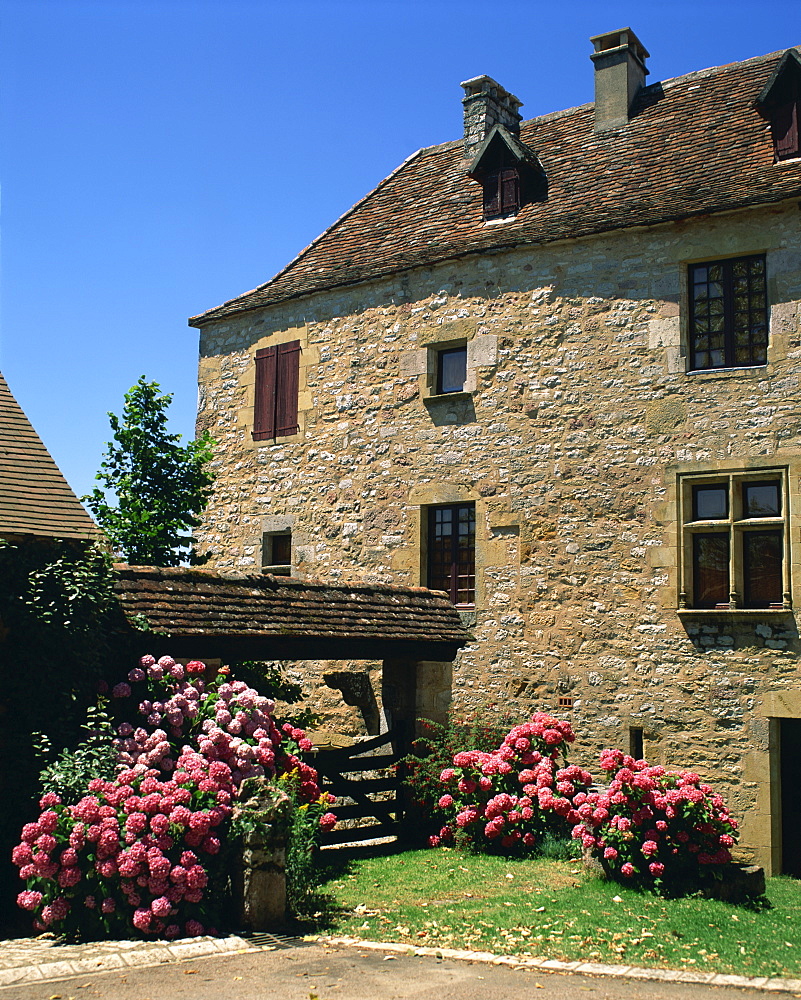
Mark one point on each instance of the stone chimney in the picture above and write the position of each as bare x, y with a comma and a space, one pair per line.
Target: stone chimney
487, 104
620, 73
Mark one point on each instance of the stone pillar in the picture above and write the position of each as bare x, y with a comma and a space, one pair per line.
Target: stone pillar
434, 690
399, 699
259, 879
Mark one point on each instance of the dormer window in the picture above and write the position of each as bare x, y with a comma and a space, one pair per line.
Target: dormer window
509, 173
501, 194
780, 103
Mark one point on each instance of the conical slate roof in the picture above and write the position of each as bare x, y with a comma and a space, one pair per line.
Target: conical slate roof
35, 498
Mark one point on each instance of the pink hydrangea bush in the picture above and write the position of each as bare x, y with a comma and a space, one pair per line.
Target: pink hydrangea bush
139, 852
654, 828
134, 851
507, 799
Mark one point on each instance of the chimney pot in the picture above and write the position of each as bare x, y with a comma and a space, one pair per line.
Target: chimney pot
620, 73
487, 104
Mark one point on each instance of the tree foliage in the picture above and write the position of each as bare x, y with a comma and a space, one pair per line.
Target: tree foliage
161, 486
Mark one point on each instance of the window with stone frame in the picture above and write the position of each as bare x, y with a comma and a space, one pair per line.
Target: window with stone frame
451, 552
728, 313
275, 407
276, 552
734, 541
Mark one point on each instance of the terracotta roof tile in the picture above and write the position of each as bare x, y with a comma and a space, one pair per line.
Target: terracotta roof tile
35, 498
694, 145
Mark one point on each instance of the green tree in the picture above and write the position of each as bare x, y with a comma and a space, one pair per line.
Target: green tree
160, 485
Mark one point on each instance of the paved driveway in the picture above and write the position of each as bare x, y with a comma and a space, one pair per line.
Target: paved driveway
267, 967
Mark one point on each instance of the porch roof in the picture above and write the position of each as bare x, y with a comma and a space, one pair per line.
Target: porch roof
200, 613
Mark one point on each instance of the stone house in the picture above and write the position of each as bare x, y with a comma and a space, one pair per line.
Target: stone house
553, 370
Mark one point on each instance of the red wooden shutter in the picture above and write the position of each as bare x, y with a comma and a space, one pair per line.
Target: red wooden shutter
264, 403
510, 192
286, 402
785, 130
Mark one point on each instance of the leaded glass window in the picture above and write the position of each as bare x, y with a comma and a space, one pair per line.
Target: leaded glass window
728, 313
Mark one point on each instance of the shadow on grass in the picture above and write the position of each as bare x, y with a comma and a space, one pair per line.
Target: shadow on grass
320, 909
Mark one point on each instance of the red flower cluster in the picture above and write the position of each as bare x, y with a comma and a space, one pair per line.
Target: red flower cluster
653, 825
137, 851
510, 797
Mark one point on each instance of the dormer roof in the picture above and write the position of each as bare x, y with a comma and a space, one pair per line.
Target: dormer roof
786, 74
501, 143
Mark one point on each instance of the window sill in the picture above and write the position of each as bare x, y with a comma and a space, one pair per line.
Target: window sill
753, 370
279, 570
738, 612
438, 397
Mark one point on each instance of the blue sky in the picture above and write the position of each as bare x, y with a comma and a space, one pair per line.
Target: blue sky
158, 157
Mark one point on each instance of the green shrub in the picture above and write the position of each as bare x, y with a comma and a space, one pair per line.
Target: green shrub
93, 757
432, 751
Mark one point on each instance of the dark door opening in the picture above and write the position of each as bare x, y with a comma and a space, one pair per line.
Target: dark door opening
790, 763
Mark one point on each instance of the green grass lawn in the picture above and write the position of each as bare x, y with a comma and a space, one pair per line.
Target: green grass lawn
555, 909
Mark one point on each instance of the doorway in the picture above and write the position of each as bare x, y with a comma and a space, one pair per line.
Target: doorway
790, 776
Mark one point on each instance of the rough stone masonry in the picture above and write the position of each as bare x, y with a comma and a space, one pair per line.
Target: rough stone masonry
577, 419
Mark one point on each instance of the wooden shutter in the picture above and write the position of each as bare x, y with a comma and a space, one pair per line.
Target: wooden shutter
492, 197
286, 401
784, 124
264, 403
510, 192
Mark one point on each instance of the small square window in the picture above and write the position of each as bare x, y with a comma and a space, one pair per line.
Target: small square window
710, 503
276, 553
761, 500
742, 562
501, 194
451, 369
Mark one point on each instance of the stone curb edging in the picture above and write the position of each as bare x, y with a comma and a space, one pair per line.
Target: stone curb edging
588, 968
148, 955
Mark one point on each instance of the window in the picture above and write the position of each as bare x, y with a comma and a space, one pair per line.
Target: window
452, 552
501, 194
780, 104
784, 127
275, 409
276, 552
734, 536
728, 313
636, 742
451, 369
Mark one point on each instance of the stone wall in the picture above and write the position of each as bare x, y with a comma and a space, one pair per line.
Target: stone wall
578, 418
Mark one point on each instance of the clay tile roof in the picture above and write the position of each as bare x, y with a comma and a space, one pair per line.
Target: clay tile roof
35, 498
186, 603
694, 145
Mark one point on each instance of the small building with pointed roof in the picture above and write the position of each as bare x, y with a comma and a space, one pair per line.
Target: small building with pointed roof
35, 498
